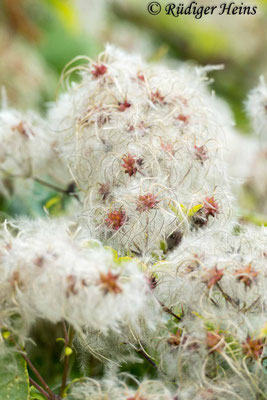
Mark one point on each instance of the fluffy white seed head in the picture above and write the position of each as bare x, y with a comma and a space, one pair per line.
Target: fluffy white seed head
28, 147
216, 282
48, 274
144, 143
25, 143
256, 106
123, 388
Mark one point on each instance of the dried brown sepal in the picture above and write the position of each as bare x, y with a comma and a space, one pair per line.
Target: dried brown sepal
212, 276
109, 283
214, 341
246, 275
253, 348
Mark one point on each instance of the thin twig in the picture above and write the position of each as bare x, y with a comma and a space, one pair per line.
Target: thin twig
226, 296
52, 396
66, 335
69, 335
39, 388
65, 374
144, 354
50, 185
169, 311
244, 310
69, 191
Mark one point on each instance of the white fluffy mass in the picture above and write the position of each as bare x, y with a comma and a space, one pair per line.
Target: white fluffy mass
50, 275
144, 144
28, 149
157, 267
119, 389
256, 106
22, 137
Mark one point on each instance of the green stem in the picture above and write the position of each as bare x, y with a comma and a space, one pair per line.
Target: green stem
69, 336
39, 388
69, 191
52, 395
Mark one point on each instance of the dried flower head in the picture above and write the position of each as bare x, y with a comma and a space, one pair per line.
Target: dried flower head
214, 341
213, 276
175, 339
246, 275
46, 273
156, 97
253, 348
129, 164
211, 207
183, 118
22, 129
120, 118
109, 283
115, 219
104, 190
99, 70
147, 202
201, 153
123, 106
152, 281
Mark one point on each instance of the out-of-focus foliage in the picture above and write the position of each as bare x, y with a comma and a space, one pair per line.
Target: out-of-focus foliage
37, 39
239, 42
63, 38
14, 379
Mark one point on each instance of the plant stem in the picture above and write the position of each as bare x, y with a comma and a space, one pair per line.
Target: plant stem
169, 311
226, 296
143, 353
52, 396
39, 388
244, 310
69, 191
69, 335
50, 185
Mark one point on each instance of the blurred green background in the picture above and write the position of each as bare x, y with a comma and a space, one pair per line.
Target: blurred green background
38, 37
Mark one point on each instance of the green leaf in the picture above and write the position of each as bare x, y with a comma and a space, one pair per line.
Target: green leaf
35, 395
194, 210
163, 246
53, 201
60, 339
122, 260
55, 205
179, 212
14, 378
5, 334
114, 253
184, 211
91, 244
